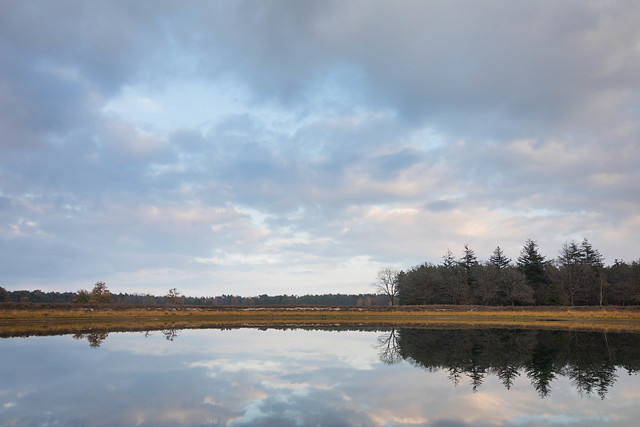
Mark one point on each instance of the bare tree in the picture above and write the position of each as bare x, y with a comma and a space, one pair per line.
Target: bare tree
455, 284
514, 288
173, 297
487, 284
387, 283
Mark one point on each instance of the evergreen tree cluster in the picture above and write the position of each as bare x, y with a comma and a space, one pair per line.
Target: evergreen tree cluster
577, 276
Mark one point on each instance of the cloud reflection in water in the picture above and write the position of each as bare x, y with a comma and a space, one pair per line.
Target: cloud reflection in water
274, 377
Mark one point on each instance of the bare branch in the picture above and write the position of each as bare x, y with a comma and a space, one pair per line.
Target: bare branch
387, 283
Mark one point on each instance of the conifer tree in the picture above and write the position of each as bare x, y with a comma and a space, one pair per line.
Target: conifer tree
499, 260
532, 264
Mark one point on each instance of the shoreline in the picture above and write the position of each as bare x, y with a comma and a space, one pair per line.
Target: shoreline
25, 319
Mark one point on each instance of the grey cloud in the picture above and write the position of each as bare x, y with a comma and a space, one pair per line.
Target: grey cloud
5, 202
37, 102
476, 68
579, 176
449, 423
270, 420
531, 107
88, 164
455, 64
281, 173
388, 166
106, 42
279, 50
58, 62
440, 205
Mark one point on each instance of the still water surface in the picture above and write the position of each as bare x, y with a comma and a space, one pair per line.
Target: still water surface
275, 377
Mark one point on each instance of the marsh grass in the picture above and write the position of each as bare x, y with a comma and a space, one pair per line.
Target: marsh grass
601, 318
418, 312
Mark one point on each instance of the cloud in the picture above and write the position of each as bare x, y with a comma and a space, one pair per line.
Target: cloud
226, 142
441, 62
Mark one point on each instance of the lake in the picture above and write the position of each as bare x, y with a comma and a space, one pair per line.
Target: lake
299, 377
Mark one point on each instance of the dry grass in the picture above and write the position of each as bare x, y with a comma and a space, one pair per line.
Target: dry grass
422, 312
608, 318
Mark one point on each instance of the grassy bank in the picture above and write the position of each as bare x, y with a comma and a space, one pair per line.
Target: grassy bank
14, 317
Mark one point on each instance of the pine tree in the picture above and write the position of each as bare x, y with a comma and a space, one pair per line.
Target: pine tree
448, 261
532, 264
470, 264
594, 262
590, 256
468, 260
499, 260
454, 281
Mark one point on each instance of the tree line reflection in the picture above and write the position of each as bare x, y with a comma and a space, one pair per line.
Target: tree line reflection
589, 359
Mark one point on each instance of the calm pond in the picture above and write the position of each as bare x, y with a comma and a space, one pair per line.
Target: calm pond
299, 377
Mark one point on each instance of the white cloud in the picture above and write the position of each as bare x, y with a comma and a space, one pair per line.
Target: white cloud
250, 156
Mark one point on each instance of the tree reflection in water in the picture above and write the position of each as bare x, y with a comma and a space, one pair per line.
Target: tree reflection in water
94, 338
170, 334
388, 349
589, 359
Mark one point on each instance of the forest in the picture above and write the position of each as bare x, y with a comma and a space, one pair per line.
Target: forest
577, 276
100, 294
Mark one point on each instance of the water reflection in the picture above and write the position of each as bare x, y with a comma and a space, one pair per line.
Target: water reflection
170, 334
320, 377
589, 359
389, 348
96, 338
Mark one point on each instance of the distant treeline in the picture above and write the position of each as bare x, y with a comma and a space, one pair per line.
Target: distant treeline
577, 276
39, 296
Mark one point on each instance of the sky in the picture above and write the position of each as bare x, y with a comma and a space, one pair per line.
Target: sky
287, 147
